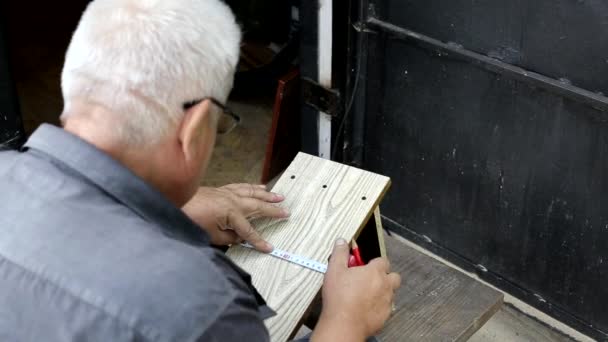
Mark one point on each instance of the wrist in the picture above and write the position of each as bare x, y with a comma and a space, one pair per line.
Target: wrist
338, 326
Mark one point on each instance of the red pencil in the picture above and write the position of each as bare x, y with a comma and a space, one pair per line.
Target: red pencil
357, 254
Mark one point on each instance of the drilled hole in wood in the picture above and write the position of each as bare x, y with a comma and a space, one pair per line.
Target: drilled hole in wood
364, 198
293, 177
324, 186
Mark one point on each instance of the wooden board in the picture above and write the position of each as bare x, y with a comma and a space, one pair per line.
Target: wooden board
380, 232
435, 302
327, 200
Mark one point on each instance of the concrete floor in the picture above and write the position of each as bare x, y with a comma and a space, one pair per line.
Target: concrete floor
239, 155
510, 324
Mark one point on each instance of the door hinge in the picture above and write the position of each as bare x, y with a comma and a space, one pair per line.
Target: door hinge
320, 98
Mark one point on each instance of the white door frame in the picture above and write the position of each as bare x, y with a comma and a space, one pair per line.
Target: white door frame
325, 37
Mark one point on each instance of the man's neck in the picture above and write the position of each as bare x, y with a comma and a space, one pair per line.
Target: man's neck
92, 124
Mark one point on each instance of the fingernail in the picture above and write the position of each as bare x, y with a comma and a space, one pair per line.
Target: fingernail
262, 186
278, 197
269, 247
286, 213
340, 242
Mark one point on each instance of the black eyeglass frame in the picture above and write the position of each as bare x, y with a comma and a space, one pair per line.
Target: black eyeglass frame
216, 102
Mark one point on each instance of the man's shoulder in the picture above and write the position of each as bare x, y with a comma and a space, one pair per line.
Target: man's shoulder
178, 292
175, 294
160, 287
174, 290
97, 254
102, 255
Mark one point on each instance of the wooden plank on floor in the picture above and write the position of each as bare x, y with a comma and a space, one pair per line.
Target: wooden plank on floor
435, 302
327, 200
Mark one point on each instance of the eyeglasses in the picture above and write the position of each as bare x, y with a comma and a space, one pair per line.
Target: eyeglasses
228, 121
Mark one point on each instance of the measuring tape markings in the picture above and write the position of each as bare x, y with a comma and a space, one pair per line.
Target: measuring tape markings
296, 259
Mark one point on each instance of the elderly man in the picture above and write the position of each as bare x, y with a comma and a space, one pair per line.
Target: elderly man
105, 234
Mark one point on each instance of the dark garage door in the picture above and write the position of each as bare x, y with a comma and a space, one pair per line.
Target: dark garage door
490, 118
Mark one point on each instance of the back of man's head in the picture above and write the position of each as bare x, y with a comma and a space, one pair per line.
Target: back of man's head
143, 59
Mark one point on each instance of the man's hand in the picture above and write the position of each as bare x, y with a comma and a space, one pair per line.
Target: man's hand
357, 301
224, 212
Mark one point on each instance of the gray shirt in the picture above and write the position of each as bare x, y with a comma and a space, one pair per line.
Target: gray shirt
90, 252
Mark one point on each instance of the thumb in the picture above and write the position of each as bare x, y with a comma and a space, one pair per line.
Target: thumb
340, 255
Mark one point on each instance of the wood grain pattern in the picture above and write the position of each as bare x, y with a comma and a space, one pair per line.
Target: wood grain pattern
435, 302
327, 200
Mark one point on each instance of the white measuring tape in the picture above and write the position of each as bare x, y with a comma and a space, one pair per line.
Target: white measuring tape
296, 259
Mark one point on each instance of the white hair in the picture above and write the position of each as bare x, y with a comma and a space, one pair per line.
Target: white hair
143, 59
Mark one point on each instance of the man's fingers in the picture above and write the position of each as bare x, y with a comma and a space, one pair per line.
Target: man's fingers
395, 280
256, 208
245, 231
382, 264
227, 237
254, 191
340, 254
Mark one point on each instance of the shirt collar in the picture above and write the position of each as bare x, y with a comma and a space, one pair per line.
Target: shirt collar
116, 180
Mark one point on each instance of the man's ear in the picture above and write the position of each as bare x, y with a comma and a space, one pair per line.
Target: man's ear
196, 126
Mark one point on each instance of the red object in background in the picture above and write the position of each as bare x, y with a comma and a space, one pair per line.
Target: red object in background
284, 138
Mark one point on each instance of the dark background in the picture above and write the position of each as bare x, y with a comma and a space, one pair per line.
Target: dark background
11, 128
33, 41
495, 138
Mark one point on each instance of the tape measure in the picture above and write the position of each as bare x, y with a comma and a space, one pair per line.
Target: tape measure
296, 259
